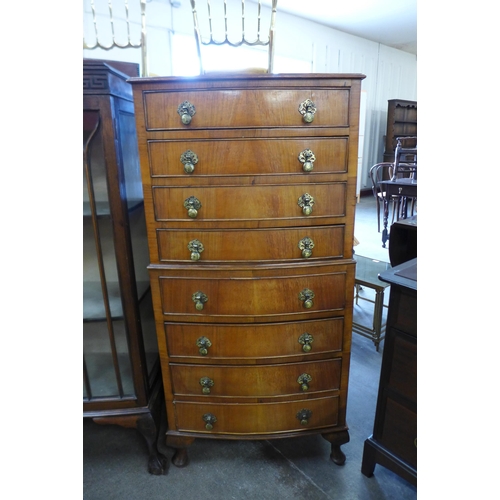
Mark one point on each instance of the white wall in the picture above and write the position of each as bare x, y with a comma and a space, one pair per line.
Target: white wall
390, 73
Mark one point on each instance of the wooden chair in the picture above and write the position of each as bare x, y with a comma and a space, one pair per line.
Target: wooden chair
405, 159
379, 172
234, 18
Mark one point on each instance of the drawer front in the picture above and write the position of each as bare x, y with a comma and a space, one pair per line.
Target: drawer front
247, 157
233, 245
257, 418
251, 203
403, 373
206, 342
235, 297
399, 431
257, 381
246, 108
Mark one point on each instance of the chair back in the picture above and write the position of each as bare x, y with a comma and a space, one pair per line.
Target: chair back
104, 33
405, 159
379, 172
225, 17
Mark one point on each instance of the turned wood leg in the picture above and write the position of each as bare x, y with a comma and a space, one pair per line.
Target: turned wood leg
146, 425
337, 439
180, 445
385, 233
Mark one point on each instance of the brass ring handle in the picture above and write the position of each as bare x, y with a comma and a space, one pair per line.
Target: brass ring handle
192, 205
306, 339
199, 298
307, 109
209, 419
306, 202
189, 159
306, 245
206, 383
203, 343
195, 247
306, 297
186, 111
303, 416
307, 158
304, 381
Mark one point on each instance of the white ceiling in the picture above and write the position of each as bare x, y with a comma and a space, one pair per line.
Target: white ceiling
390, 22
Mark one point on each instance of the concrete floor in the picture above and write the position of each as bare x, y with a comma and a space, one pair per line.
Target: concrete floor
115, 458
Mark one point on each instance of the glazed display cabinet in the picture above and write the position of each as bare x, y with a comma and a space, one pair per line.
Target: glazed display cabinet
121, 375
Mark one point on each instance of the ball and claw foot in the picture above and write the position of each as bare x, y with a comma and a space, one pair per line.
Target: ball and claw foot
157, 465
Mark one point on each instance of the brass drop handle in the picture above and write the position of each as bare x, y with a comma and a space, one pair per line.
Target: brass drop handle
307, 109
307, 158
304, 381
186, 111
209, 419
306, 339
206, 383
306, 245
203, 343
189, 159
195, 247
192, 205
306, 202
303, 416
306, 297
199, 298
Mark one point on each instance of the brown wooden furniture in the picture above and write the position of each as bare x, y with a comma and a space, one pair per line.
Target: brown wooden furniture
401, 122
249, 184
122, 383
403, 241
393, 443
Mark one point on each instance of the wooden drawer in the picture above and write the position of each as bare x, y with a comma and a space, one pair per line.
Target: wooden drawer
259, 245
247, 156
256, 418
403, 372
246, 108
399, 431
253, 342
256, 381
247, 295
276, 202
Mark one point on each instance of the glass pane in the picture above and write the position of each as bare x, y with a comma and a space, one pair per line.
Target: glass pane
105, 348
137, 224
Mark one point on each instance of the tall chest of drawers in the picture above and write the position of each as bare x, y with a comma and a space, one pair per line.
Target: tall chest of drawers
249, 185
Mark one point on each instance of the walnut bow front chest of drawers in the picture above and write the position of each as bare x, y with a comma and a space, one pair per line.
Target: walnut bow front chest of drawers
249, 185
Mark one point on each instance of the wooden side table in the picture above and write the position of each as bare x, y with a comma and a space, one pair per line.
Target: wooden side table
367, 271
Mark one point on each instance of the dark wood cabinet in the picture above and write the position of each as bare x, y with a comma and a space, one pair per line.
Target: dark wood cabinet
249, 183
401, 122
393, 443
122, 383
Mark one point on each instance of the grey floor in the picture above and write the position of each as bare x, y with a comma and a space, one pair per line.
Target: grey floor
115, 458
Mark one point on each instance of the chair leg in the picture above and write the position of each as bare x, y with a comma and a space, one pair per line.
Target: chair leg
378, 214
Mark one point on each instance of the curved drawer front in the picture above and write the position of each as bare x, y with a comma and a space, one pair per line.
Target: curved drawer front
206, 342
251, 245
250, 203
243, 297
247, 157
244, 108
251, 381
257, 418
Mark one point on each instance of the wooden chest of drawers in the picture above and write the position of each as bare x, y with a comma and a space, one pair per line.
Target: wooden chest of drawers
249, 185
